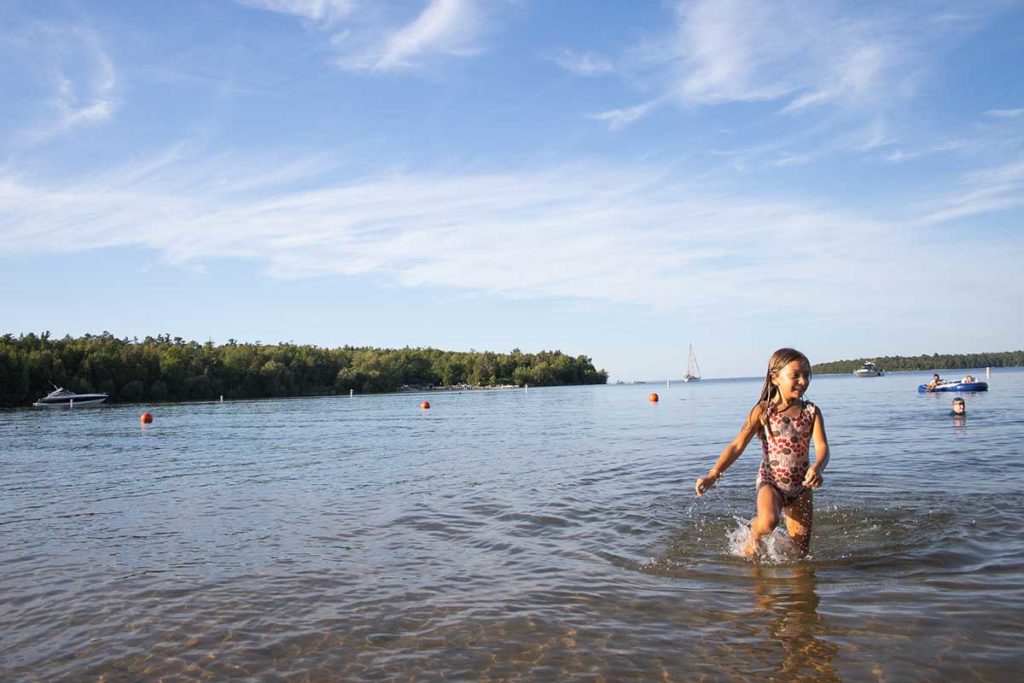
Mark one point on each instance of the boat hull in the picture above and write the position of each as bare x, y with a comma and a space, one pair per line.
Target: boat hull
955, 386
74, 402
867, 373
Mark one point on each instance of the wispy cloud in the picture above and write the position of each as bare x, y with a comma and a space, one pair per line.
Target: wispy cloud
1005, 113
735, 50
793, 160
448, 27
317, 11
855, 76
583, 63
799, 56
626, 235
78, 74
620, 118
369, 37
904, 155
992, 189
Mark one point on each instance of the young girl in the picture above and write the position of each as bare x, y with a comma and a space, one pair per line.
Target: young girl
785, 423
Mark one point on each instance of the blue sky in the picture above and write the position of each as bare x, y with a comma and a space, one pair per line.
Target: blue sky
616, 179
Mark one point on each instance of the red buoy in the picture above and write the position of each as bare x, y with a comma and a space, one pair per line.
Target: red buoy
425, 405
653, 398
146, 418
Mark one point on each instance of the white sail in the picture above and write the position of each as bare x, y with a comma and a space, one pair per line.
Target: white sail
692, 369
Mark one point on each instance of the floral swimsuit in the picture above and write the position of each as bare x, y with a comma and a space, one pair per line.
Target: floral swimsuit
784, 463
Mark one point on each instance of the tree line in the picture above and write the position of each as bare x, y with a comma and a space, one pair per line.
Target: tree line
165, 369
936, 361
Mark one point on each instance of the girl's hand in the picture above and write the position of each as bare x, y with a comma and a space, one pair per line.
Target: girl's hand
813, 478
704, 483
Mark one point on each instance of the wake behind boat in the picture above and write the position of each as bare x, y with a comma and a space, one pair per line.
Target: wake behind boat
63, 398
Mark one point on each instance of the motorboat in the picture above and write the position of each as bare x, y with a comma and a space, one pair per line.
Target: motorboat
868, 370
692, 369
956, 385
63, 398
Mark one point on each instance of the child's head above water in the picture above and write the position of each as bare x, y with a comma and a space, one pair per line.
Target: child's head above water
959, 407
789, 374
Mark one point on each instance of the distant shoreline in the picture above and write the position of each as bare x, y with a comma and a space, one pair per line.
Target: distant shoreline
163, 369
924, 362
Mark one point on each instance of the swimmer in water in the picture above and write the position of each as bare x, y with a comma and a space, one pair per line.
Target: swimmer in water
959, 407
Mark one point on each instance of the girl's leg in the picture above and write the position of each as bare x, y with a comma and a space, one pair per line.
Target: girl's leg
799, 519
769, 506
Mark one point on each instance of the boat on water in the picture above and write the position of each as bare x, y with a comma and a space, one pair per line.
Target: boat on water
954, 386
692, 369
868, 370
63, 398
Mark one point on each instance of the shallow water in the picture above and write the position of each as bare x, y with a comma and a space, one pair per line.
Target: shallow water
503, 535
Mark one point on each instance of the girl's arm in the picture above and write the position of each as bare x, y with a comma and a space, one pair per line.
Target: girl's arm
813, 479
731, 452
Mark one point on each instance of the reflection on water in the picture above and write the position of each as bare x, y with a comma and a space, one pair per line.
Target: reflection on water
788, 595
499, 536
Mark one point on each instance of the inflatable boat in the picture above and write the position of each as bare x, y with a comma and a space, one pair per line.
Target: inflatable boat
956, 386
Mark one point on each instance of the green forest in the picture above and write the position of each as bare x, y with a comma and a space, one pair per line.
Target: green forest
936, 361
166, 369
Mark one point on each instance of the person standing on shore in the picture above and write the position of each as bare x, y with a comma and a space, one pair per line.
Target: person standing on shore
786, 425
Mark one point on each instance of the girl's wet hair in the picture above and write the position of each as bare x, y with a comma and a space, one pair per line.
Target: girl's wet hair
780, 359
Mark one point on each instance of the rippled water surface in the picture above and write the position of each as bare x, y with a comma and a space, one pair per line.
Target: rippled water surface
540, 535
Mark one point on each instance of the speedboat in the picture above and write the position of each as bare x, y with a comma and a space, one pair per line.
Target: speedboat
954, 386
62, 398
868, 370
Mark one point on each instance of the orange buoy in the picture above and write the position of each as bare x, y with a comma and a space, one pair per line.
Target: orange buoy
653, 398
425, 405
146, 418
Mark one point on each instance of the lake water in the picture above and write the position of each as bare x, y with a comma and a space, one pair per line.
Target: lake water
546, 534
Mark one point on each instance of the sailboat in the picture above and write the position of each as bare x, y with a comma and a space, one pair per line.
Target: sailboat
692, 369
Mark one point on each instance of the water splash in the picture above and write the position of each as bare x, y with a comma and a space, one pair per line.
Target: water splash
775, 548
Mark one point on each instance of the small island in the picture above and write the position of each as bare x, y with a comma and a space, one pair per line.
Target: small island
163, 368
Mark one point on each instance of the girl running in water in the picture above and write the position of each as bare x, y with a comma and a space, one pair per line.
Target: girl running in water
786, 425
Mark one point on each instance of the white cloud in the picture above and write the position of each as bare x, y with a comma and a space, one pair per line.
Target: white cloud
803, 56
619, 118
625, 235
444, 27
809, 53
1005, 113
903, 155
793, 160
798, 54
853, 77
992, 189
733, 50
369, 37
583, 63
318, 11
81, 76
